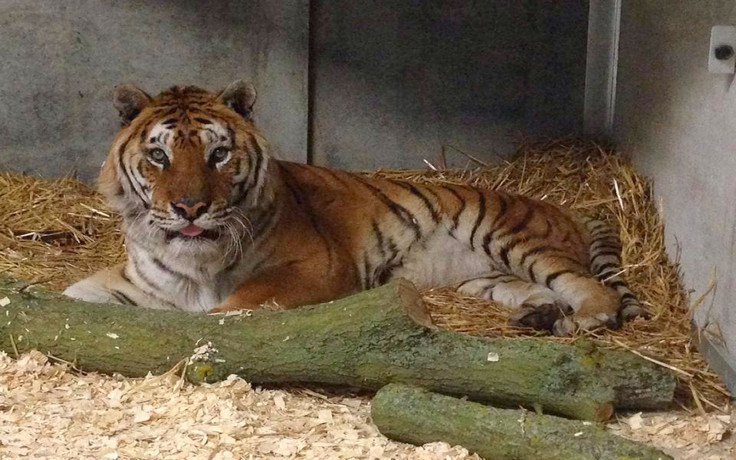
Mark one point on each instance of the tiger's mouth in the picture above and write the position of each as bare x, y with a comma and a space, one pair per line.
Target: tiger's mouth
192, 233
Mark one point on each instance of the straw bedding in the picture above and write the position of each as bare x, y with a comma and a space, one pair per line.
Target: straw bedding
56, 232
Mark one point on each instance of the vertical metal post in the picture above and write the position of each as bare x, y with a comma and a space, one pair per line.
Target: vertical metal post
604, 23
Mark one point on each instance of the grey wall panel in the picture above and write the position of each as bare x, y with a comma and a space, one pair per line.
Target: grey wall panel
394, 81
60, 60
677, 121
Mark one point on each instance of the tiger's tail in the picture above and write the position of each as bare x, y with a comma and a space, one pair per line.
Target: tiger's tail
605, 265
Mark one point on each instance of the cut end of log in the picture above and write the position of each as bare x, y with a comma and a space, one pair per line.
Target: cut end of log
604, 412
413, 304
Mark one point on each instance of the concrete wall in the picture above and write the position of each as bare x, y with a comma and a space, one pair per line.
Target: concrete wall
395, 81
392, 82
60, 60
678, 122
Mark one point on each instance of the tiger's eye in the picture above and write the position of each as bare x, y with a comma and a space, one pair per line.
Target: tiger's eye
219, 155
158, 156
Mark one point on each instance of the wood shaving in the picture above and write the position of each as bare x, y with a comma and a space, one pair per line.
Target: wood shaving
48, 411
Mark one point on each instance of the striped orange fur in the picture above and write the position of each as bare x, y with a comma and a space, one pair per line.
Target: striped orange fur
213, 222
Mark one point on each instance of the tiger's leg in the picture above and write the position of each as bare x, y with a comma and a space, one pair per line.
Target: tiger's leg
112, 285
290, 285
536, 306
593, 303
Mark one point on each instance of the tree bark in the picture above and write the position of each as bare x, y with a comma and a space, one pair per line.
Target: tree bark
417, 416
367, 341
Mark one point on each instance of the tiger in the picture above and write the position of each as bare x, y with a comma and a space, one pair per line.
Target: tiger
214, 223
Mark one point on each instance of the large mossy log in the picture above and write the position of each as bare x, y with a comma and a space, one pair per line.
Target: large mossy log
367, 340
417, 416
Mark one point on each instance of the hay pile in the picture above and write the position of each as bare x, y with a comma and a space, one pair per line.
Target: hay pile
597, 182
56, 232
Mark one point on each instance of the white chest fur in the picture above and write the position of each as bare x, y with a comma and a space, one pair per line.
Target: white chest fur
440, 260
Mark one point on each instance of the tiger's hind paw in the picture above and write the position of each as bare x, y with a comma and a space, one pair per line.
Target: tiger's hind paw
570, 324
539, 313
630, 312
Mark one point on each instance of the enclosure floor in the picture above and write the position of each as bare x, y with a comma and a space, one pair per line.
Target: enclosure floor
56, 232
48, 411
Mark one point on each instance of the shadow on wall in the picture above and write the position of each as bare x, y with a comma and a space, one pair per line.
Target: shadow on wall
395, 81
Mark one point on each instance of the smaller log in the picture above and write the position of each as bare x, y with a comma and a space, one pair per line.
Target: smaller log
417, 416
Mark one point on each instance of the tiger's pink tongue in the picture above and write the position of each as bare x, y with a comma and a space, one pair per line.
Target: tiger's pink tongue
191, 230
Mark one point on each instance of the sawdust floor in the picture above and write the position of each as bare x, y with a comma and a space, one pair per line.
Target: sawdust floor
46, 411
49, 411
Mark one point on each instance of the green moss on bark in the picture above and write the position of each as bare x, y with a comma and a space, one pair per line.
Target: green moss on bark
367, 340
414, 415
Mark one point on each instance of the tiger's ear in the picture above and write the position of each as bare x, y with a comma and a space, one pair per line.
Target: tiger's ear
239, 96
129, 100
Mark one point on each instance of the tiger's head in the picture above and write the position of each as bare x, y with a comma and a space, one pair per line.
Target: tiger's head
186, 166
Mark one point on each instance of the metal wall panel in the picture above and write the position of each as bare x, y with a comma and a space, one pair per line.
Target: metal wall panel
676, 120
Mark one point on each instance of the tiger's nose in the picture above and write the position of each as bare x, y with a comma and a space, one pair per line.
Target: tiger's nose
189, 208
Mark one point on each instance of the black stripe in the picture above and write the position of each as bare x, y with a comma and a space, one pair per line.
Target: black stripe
336, 176
596, 225
605, 253
497, 275
414, 191
145, 279
494, 277
393, 250
379, 238
604, 275
628, 295
530, 271
124, 276
456, 217
204, 121
504, 254
122, 298
487, 243
303, 202
533, 251
553, 276
170, 271
124, 170
264, 219
616, 284
609, 239
479, 219
596, 246
503, 205
406, 217
259, 163
606, 266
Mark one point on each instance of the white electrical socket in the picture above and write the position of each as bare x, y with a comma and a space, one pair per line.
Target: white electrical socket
722, 36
